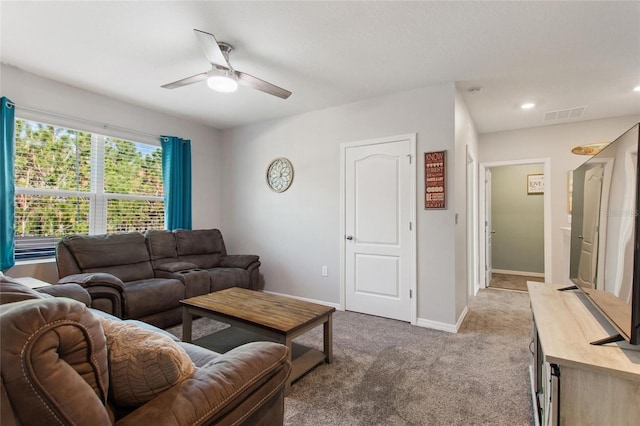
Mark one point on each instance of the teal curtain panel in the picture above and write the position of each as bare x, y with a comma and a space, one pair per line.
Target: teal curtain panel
176, 177
7, 185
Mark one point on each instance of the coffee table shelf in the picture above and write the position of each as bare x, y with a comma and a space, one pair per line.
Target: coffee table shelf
303, 358
259, 316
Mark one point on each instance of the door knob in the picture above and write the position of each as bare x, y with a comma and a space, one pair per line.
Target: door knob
493, 231
349, 237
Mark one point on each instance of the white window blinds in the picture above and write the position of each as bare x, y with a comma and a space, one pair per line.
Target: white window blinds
74, 182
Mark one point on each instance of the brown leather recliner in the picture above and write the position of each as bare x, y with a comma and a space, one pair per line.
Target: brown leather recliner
202, 249
54, 370
116, 270
131, 275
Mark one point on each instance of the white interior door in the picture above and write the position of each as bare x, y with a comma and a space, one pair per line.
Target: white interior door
488, 231
378, 228
588, 264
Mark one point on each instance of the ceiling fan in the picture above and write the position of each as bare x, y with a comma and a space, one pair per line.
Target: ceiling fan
222, 77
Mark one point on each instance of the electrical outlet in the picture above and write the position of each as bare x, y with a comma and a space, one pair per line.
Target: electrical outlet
325, 271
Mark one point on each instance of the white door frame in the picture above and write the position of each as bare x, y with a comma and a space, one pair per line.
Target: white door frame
412, 213
547, 212
473, 282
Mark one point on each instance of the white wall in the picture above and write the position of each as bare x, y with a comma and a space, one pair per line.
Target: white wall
466, 139
28, 90
296, 232
554, 142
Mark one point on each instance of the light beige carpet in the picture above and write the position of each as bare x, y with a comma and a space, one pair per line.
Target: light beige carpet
511, 282
390, 373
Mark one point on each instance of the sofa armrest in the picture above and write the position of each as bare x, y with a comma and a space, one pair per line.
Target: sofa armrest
106, 290
95, 278
232, 389
62, 350
243, 261
72, 291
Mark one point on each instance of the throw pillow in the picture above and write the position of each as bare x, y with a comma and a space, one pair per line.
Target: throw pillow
142, 363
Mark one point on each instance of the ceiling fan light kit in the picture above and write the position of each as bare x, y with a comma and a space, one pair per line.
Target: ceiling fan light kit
224, 81
222, 77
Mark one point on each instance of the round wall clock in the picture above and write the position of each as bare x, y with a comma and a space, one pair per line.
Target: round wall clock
280, 174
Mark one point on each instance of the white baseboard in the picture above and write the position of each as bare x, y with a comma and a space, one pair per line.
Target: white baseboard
442, 326
520, 273
319, 302
421, 322
465, 311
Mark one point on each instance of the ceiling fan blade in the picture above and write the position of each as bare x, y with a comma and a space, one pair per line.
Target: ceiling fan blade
254, 82
210, 47
186, 81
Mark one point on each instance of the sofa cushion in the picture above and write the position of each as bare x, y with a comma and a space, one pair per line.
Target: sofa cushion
239, 261
123, 255
199, 355
161, 244
176, 266
147, 297
142, 363
222, 278
128, 272
201, 241
203, 261
96, 251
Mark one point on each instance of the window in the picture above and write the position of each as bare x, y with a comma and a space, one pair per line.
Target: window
74, 182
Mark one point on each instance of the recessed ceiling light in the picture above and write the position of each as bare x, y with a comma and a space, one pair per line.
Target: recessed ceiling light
527, 105
636, 89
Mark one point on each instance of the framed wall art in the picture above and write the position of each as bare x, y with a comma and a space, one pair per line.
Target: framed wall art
435, 171
535, 184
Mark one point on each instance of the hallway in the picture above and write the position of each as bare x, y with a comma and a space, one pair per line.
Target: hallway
511, 282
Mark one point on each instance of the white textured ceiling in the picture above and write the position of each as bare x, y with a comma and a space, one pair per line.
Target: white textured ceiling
559, 55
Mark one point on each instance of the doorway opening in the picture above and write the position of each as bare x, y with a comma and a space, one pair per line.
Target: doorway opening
523, 228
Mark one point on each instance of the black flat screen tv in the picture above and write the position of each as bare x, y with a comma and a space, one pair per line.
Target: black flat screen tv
605, 243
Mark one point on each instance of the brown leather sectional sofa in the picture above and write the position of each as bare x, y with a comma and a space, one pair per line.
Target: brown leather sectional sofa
56, 368
144, 276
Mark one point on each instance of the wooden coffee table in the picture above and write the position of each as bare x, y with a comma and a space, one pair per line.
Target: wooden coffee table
254, 315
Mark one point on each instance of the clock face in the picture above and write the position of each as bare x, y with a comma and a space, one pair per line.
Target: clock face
280, 174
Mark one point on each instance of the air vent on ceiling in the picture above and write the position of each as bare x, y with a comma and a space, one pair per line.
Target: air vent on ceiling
565, 114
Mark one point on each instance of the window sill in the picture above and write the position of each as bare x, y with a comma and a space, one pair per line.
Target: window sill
35, 261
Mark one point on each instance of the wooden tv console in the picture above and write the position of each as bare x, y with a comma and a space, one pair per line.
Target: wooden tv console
572, 381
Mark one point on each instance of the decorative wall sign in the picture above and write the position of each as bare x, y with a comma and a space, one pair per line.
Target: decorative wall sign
435, 170
535, 184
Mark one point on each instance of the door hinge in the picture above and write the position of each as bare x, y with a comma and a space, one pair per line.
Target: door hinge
555, 370
410, 226
410, 294
410, 158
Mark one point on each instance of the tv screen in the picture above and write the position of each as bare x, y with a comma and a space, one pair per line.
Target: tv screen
604, 253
